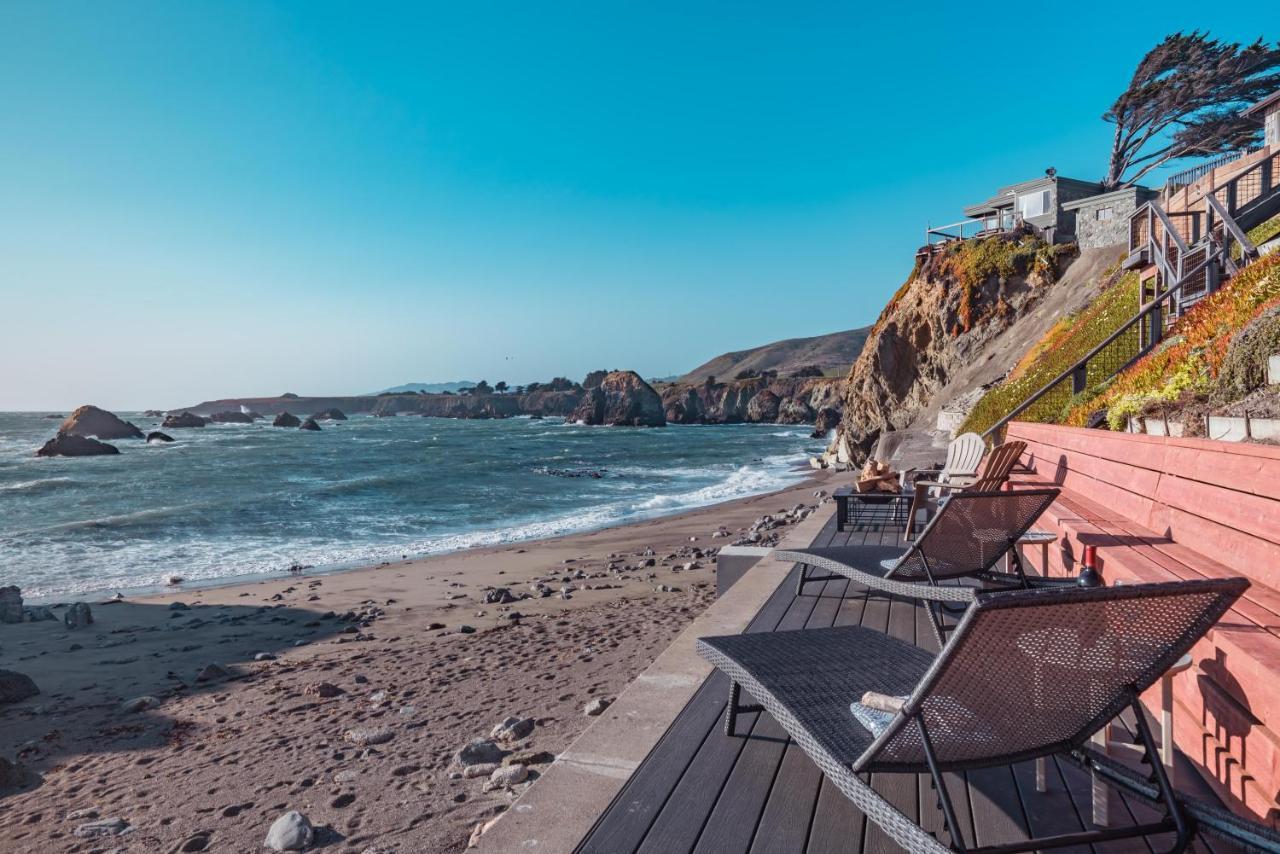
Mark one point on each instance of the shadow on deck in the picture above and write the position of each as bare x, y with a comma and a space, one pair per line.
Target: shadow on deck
702, 791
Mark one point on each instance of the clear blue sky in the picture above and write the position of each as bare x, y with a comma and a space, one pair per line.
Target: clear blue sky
200, 199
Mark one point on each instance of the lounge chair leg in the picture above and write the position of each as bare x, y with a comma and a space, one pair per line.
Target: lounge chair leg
944, 800
731, 712
1161, 779
734, 708
800, 580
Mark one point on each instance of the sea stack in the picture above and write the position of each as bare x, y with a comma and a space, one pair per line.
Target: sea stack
70, 445
98, 423
332, 414
182, 419
231, 418
622, 399
309, 424
284, 419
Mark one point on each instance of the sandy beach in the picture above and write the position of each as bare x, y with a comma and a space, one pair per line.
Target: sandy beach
196, 718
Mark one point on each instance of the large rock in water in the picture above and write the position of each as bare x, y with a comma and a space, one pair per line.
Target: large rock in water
98, 423
309, 424
157, 436
231, 418
333, 414
68, 445
284, 419
16, 687
621, 399
183, 419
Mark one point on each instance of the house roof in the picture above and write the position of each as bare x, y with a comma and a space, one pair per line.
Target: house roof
1261, 107
1005, 195
1141, 192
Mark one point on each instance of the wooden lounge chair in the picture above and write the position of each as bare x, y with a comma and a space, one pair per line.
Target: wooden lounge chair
969, 534
1027, 674
992, 474
963, 456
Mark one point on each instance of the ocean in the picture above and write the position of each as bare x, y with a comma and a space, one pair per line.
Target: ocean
235, 501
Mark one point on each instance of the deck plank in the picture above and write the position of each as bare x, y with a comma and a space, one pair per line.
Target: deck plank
623, 827
699, 791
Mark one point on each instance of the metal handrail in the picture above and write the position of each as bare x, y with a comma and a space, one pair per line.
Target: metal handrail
1083, 362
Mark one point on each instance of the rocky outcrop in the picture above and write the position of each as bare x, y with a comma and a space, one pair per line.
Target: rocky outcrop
309, 424
957, 300
621, 399
157, 436
331, 414
90, 421
235, 417
182, 419
69, 445
284, 419
826, 420
781, 401
764, 407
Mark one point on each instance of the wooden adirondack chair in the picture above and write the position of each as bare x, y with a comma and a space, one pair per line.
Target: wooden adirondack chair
991, 475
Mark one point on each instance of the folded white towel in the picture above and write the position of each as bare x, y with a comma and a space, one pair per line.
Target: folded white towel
882, 702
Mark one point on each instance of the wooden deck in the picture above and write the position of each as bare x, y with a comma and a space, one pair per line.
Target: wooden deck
702, 791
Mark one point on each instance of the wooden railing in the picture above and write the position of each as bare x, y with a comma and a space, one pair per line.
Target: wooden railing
1188, 177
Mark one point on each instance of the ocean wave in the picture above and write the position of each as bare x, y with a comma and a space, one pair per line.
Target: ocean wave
745, 481
118, 520
33, 486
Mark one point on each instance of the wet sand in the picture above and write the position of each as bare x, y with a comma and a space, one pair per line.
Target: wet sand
345, 696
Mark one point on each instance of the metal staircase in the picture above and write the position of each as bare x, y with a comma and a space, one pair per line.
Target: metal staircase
1185, 249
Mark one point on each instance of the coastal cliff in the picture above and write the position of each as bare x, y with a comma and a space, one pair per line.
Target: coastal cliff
603, 397
958, 299
791, 400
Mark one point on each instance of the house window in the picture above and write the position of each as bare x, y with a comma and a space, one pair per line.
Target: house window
1033, 204
1104, 213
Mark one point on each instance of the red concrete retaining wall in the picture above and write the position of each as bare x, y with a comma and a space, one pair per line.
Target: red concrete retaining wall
1161, 508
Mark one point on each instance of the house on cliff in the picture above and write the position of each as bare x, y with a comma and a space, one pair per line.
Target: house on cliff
1062, 210
1041, 203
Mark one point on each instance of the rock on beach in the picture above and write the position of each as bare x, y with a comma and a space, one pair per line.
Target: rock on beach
16, 687
290, 832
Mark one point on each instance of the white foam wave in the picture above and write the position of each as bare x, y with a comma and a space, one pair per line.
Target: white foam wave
42, 485
747, 480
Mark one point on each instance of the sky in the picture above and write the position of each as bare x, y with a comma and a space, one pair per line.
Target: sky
212, 199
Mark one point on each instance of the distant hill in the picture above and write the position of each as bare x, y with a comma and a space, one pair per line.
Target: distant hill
834, 353
430, 388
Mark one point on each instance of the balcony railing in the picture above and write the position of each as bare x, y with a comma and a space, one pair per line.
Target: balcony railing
1188, 177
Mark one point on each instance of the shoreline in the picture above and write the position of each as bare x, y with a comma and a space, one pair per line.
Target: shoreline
799, 470
300, 670
432, 568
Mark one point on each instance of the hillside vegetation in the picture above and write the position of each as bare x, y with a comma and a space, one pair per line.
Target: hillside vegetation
1070, 339
1210, 355
831, 354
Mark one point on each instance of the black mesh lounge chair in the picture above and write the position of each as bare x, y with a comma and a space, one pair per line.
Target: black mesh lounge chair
1026, 674
969, 534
